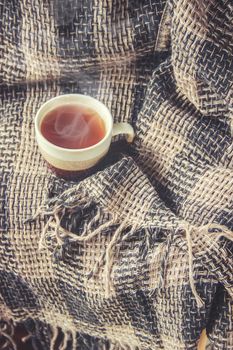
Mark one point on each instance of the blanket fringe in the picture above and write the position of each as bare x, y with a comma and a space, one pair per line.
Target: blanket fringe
109, 257
66, 339
74, 340
222, 231
55, 210
7, 332
55, 332
57, 342
199, 301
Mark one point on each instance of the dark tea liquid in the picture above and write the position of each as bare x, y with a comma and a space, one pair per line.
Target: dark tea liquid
73, 126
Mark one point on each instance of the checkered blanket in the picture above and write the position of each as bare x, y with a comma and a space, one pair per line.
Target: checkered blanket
137, 255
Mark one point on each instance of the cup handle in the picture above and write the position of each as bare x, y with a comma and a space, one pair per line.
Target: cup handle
123, 128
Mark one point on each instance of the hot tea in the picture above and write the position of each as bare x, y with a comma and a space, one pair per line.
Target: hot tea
82, 127
73, 127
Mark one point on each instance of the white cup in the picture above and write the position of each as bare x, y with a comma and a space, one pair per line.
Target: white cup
66, 160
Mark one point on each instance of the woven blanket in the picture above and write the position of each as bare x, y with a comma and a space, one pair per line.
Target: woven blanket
138, 254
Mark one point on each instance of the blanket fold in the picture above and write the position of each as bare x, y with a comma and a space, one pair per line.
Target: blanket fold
138, 254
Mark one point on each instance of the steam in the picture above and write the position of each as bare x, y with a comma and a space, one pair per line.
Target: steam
78, 127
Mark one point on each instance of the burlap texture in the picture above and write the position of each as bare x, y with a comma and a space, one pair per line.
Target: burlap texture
138, 255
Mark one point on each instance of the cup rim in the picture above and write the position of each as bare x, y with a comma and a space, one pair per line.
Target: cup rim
72, 150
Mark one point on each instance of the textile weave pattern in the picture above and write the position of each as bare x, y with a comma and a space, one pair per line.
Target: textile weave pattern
137, 255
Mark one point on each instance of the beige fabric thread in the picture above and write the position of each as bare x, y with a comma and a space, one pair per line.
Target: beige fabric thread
122, 256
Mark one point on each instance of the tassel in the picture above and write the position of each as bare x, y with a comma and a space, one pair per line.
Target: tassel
65, 341
109, 258
7, 332
54, 338
78, 198
75, 343
199, 301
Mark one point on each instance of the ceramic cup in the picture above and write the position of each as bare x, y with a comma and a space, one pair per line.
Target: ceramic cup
67, 161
